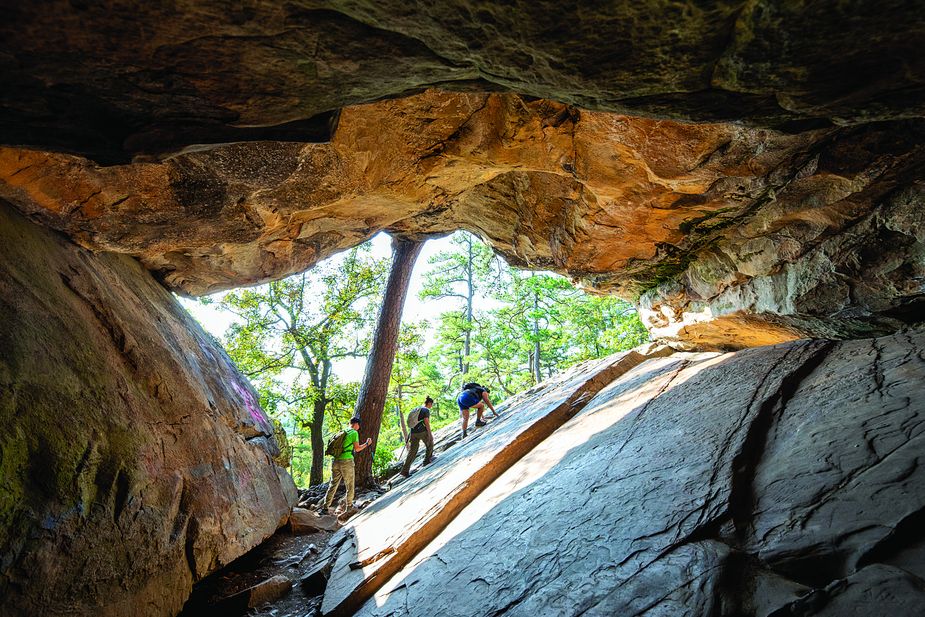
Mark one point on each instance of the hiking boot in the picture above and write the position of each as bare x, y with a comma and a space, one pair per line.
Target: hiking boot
407, 474
480, 423
464, 434
346, 514
431, 460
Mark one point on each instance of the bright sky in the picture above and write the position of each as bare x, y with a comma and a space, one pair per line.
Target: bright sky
216, 321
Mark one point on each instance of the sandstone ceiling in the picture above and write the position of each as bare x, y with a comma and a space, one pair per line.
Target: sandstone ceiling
586, 192
745, 172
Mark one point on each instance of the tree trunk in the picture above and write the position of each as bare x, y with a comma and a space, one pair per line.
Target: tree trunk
375, 387
537, 372
317, 428
470, 292
401, 416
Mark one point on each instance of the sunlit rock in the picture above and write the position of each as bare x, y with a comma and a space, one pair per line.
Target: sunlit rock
771, 481
770, 235
375, 544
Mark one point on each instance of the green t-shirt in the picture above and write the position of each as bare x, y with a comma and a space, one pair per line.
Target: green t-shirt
351, 438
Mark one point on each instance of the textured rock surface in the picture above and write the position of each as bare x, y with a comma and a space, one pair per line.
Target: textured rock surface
302, 521
778, 480
116, 79
369, 550
134, 458
734, 236
266, 591
833, 254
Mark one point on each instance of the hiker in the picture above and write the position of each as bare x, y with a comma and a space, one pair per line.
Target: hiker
419, 422
342, 466
474, 396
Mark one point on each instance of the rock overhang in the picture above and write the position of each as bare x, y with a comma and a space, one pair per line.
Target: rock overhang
694, 222
112, 81
753, 215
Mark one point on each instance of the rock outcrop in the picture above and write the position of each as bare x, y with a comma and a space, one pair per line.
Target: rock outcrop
114, 80
773, 481
135, 459
726, 236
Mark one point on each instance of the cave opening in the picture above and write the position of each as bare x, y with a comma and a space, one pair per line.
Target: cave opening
746, 177
468, 316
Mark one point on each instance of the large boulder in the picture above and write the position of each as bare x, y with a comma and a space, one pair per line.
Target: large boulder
774, 481
135, 459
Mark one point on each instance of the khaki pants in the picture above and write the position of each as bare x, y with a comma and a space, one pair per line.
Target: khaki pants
340, 470
413, 440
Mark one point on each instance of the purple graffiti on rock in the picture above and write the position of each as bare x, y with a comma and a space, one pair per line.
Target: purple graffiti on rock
254, 408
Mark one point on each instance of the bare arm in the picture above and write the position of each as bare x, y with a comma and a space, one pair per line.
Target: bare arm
488, 402
427, 424
357, 447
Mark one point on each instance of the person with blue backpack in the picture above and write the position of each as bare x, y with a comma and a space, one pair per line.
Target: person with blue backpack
474, 396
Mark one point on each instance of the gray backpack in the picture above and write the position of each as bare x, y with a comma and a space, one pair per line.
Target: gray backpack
413, 418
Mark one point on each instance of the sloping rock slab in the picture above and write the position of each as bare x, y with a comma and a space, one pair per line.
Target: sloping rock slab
769, 481
387, 534
134, 458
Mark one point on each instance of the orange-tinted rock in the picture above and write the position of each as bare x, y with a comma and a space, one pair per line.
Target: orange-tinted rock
771, 236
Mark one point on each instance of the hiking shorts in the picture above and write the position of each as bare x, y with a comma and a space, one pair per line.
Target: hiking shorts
467, 400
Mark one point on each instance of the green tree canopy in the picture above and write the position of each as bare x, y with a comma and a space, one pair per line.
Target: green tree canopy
290, 332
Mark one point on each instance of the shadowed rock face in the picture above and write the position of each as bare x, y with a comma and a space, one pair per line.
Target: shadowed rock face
112, 80
773, 481
135, 459
726, 236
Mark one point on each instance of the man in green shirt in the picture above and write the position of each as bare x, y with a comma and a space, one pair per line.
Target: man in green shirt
342, 466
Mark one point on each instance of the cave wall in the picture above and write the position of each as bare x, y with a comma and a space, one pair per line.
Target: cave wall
135, 459
838, 251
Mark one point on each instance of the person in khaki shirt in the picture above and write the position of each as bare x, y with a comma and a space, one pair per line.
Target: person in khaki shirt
420, 432
342, 467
